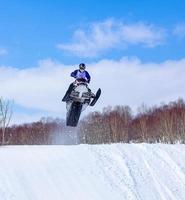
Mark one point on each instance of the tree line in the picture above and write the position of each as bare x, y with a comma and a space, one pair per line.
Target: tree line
164, 123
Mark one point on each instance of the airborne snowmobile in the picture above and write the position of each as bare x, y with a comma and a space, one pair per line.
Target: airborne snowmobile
77, 101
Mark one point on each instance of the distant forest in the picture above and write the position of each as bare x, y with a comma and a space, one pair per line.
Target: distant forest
164, 123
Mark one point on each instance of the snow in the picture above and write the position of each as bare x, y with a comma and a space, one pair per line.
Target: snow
93, 172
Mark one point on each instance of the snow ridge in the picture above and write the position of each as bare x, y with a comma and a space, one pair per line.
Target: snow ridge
93, 172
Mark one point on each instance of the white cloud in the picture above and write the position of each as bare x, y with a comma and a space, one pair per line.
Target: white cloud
3, 51
112, 34
123, 82
140, 33
179, 30
36, 87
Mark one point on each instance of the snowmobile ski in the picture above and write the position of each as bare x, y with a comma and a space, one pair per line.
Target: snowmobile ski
98, 93
66, 97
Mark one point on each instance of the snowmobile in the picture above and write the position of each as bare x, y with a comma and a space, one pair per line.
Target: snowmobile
77, 100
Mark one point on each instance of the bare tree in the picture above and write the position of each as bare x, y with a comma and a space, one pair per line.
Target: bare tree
143, 113
5, 116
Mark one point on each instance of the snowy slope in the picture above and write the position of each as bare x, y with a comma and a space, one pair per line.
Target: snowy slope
93, 172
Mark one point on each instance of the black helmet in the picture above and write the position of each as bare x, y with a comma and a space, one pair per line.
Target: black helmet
82, 66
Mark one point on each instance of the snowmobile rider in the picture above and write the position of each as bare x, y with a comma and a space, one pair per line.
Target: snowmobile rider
80, 73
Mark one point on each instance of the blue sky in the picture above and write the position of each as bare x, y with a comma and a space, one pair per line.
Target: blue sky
31, 30
43, 37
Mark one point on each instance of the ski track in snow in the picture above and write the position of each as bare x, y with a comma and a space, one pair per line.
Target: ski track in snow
93, 172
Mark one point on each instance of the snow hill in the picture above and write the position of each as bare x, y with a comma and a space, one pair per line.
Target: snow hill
93, 172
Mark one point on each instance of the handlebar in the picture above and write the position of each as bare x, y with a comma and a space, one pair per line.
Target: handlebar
81, 80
